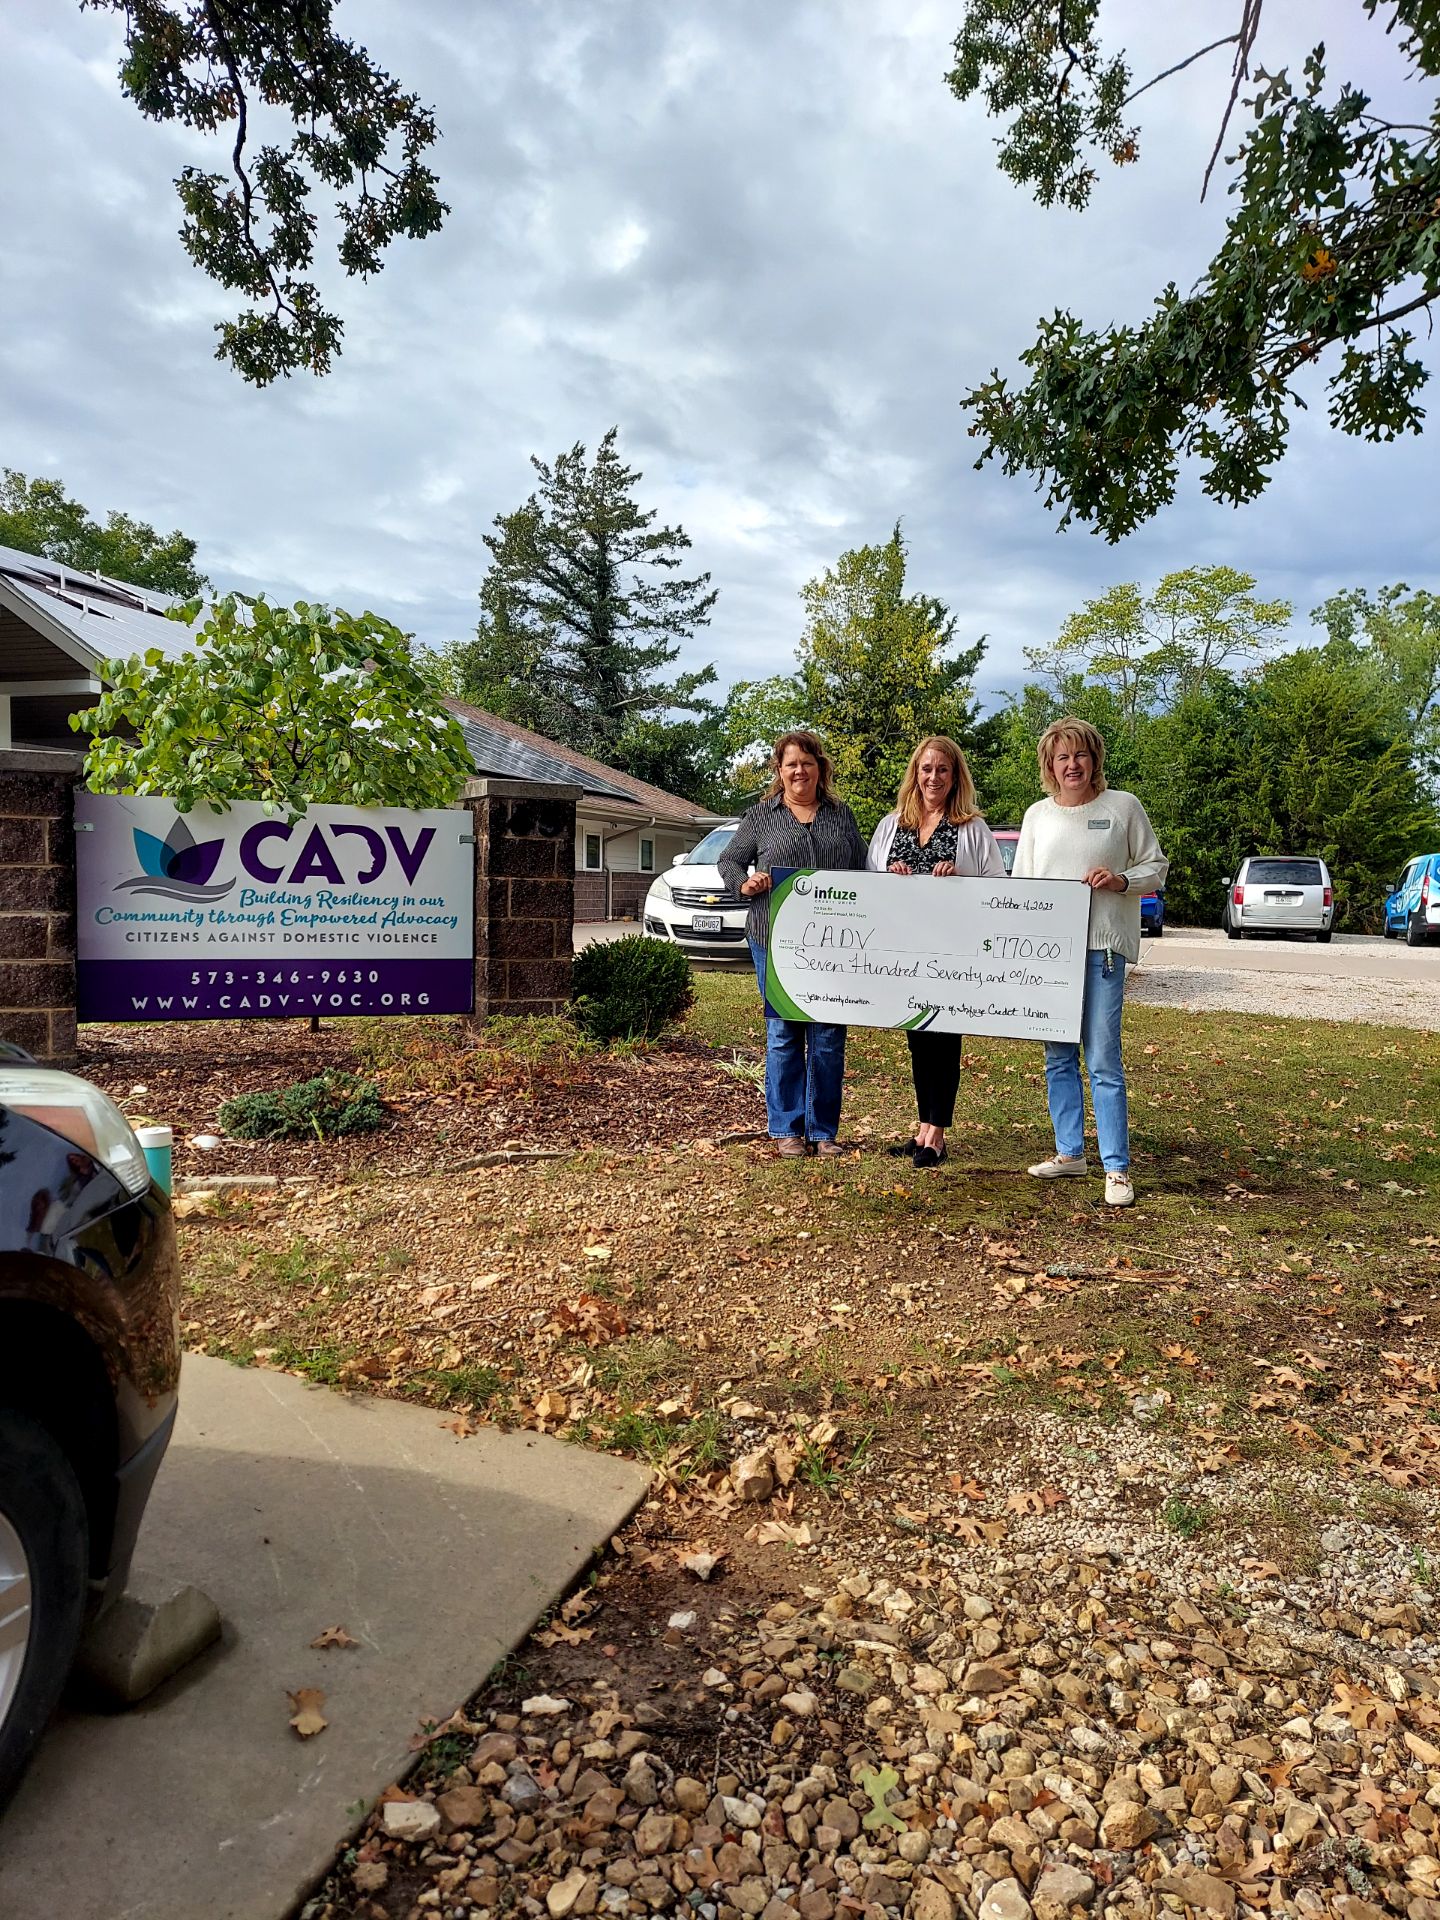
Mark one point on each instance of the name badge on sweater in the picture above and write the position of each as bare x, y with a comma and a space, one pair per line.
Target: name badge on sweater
1098, 826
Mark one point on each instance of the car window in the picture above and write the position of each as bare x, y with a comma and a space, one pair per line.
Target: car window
710, 848
1285, 873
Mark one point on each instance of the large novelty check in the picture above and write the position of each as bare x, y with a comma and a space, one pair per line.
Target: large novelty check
1003, 957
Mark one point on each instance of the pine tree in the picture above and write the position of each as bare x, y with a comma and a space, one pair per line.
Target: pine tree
582, 610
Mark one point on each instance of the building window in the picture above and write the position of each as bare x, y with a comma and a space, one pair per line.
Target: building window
647, 856
593, 859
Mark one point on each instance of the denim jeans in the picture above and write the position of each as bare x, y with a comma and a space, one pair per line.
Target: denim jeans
804, 1071
1100, 1037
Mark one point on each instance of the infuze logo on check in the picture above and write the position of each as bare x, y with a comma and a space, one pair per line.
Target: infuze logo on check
809, 889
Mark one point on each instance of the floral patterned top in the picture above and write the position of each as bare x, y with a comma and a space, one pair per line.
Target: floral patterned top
940, 846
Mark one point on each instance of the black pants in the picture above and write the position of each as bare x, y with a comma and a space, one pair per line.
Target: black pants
935, 1069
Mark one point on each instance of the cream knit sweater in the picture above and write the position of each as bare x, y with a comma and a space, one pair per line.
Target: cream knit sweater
1066, 843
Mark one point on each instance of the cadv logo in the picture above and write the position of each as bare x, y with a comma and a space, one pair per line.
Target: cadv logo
317, 859
179, 867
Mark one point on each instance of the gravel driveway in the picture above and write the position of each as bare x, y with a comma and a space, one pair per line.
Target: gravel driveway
1356, 977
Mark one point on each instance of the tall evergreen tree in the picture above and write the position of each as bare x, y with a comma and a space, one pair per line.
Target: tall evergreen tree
582, 609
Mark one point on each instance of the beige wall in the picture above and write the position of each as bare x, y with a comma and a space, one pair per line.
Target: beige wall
620, 843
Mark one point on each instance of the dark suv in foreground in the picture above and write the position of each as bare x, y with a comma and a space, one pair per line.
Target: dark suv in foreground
89, 1364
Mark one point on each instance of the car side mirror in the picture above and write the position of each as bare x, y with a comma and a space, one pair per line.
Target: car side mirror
679, 859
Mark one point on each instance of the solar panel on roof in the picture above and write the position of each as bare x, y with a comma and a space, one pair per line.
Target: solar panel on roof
496, 753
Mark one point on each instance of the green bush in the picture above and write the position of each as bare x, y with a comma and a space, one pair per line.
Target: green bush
323, 1108
629, 989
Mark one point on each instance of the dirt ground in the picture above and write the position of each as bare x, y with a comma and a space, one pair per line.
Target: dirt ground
1112, 1536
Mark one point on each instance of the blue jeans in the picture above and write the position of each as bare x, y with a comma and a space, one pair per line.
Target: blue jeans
1100, 1037
804, 1071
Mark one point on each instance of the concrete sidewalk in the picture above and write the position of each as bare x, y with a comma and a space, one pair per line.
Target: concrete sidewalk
297, 1509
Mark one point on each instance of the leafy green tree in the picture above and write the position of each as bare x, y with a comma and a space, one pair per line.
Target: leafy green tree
1005, 768
1326, 774
1154, 650
581, 611
876, 670
1330, 247
1397, 634
38, 517
230, 66
290, 706
688, 757
1191, 768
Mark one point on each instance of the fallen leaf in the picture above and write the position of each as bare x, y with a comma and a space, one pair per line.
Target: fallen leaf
306, 1717
334, 1637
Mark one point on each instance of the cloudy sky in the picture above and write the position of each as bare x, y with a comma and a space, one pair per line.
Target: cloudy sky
763, 239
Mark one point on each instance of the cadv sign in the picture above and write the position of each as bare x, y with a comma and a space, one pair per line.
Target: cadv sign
326, 854
219, 914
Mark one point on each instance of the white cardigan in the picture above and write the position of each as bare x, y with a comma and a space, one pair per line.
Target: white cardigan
977, 852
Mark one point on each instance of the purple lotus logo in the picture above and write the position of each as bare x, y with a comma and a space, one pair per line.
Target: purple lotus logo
178, 867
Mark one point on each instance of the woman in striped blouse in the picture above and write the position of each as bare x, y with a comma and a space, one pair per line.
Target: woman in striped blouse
799, 823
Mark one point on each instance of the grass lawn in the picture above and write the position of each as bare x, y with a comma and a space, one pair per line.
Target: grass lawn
1264, 1319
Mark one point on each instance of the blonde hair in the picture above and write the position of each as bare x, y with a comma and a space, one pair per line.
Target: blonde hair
808, 744
1079, 733
960, 804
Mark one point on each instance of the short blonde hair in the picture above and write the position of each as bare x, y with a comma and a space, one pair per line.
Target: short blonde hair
961, 804
1078, 733
809, 744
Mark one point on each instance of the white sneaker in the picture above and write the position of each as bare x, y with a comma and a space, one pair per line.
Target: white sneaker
1060, 1168
1118, 1190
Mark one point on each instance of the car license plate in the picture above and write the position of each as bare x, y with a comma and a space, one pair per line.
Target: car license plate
707, 922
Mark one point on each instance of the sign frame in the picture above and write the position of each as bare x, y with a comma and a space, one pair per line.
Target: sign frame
233, 913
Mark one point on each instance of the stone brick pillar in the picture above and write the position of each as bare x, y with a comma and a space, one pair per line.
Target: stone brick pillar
37, 902
524, 894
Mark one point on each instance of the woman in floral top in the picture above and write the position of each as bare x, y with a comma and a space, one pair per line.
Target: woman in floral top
936, 829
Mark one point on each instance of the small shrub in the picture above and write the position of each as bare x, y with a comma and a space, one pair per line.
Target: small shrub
323, 1108
629, 989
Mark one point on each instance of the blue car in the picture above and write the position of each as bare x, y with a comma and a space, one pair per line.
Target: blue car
1152, 913
1414, 907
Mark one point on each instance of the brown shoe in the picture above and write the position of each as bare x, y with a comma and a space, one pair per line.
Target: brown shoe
829, 1149
790, 1146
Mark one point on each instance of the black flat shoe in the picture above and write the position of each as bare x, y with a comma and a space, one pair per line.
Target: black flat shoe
903, 1150
926, 1157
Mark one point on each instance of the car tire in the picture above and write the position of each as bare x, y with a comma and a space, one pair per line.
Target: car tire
1323, 939
1231, 930
1414, 931
1391, 933
44, 1561
1158, 929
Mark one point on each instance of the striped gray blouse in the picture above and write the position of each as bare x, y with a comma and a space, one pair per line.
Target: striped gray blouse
770, 836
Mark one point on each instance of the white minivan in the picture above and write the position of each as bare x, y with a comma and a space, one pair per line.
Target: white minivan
691, 904
1281, 893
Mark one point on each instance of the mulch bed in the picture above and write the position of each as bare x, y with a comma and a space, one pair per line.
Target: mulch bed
179, 1075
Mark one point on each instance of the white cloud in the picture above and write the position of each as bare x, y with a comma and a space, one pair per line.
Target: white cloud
765, 241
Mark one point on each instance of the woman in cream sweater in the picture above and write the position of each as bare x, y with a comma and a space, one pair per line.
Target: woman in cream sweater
1088, 831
